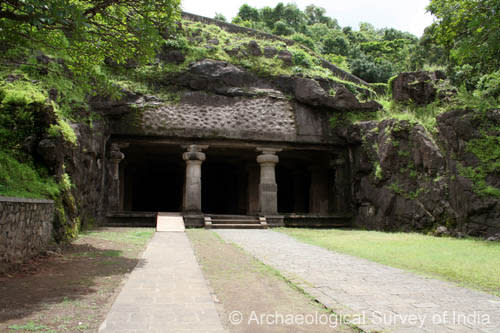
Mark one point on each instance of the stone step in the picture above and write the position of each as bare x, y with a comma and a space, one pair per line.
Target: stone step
239, 226
233, 217
135, 224
235, 221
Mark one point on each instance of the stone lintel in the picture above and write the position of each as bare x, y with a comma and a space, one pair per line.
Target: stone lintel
268, 150
195, 148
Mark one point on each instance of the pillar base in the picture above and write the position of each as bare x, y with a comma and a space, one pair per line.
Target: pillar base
275, 221
194, 220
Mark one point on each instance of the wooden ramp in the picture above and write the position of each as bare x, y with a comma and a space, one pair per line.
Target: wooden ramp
169, 222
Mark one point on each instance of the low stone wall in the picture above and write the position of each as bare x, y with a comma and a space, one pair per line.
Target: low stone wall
25, 229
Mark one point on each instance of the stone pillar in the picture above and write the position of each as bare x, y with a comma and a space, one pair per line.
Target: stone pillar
342, 187
192, 186
115, 156
268, 189
318, 194
253, 190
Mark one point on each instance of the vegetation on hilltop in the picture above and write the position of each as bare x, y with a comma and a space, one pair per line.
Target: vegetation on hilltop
372, 54
465, 40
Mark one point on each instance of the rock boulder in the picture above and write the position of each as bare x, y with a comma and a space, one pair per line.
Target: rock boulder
416, 87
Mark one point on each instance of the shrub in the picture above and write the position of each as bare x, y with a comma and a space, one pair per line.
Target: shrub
301, 58
304, 40
489, 85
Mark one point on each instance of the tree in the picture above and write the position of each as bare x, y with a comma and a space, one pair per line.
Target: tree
282, 29
267, 16
248, 13
316, 14
294, 17
336, 44
220, 17
469, 30
89, 31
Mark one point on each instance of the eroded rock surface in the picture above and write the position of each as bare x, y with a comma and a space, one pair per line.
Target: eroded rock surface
416, 87
404, 180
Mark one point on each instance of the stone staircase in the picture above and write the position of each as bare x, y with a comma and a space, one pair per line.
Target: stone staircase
235, 222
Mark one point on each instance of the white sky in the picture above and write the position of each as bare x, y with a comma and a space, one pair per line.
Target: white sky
405, 15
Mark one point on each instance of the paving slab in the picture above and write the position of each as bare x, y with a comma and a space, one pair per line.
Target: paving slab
169, 222
372, 296
166, 292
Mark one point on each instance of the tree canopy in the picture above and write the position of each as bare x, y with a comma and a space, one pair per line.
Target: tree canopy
88, 30
469, 31
372, 54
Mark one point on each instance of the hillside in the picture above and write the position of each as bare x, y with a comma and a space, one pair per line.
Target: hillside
413, 165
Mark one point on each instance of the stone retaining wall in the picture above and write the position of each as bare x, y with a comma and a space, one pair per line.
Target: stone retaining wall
25, 229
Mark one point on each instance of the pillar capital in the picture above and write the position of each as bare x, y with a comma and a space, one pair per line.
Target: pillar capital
268, 159
194, 153
268, 150
268, 156
115, 153
193, 156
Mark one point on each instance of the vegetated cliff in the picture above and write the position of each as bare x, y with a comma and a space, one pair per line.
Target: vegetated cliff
55, 125
403, 178
406, 177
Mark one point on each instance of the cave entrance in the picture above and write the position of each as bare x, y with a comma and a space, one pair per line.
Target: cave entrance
225, 182
293, 182
153, 180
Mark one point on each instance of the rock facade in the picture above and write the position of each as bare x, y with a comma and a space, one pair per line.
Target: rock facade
219, 100
82, 204
403, 179
25, 229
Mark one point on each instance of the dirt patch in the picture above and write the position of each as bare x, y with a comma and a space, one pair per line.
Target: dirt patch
71, 291
266, 302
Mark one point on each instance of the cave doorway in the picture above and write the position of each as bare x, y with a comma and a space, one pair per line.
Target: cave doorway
225, 181
153, 181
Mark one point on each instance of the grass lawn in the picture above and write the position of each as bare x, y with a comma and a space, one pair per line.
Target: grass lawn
468, 262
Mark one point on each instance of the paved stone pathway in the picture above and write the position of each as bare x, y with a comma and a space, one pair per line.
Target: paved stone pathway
166, 292
372, 296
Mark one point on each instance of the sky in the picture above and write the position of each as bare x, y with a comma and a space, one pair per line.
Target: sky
405, 15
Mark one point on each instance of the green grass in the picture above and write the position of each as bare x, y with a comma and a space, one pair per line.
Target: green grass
30, 327
468, 262
137, 236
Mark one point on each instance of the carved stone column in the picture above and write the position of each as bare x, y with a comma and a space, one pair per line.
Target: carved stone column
342, 186
318, 193
192, 186
115, 157
268, 189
